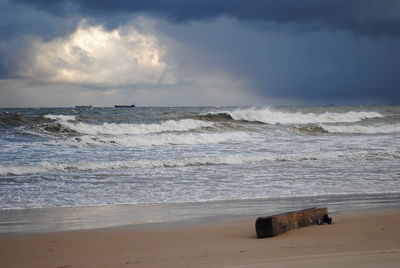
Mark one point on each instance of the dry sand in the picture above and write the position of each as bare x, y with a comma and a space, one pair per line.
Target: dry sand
356, 239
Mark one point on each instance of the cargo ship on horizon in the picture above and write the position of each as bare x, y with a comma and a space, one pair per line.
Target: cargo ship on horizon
125, 106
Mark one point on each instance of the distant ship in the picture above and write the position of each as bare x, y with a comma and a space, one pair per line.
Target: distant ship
83, 106
125, 106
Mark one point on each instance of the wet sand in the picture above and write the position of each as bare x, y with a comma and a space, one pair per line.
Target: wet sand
355, 239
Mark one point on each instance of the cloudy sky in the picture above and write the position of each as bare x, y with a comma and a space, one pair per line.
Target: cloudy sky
199, 52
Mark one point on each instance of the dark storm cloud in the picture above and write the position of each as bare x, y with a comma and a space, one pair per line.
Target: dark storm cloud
311, 51
312, 67
23, 19
368, 17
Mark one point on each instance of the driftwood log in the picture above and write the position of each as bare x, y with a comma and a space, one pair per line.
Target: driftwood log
281, 223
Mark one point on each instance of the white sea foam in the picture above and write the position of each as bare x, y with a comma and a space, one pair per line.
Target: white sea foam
375, 155
30, 169
236, 159
133, 129
60, 117
165, 139
228, 161
359, 129
277, 117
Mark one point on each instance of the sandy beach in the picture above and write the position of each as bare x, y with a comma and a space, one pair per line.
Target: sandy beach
355, 239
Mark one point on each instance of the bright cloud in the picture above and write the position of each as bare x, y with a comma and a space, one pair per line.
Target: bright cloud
97, 57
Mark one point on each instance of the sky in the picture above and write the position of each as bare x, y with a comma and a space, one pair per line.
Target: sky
199, 52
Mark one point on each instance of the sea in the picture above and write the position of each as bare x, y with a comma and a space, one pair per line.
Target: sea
77, 168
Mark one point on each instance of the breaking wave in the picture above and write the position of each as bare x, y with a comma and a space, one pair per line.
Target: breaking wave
215, 117
69, 122
164, 139
277, 117
16, 119
347, 129
310, 129
358, 129
383, 156
44, 167
232, 159
60, 117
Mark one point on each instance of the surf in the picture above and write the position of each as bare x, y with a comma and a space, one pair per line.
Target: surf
361, 129
183, 125
269, 116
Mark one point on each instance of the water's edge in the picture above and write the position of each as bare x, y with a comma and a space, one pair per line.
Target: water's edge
22, 221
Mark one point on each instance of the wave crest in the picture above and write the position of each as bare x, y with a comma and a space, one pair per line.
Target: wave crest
164, 139
359, 129
182, 125
16, 119
230, 159
46, 166
218, 117
269, 116
311, 129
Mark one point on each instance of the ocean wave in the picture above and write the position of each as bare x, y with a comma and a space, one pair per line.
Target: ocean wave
46, 166
382, 155
215, 117
310, 129
182, 125
60, 117
374, 155
18, 119
269, 116
359, 129
163, 139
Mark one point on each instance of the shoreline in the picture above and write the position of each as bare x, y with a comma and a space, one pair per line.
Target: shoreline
41, 220
368, 238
